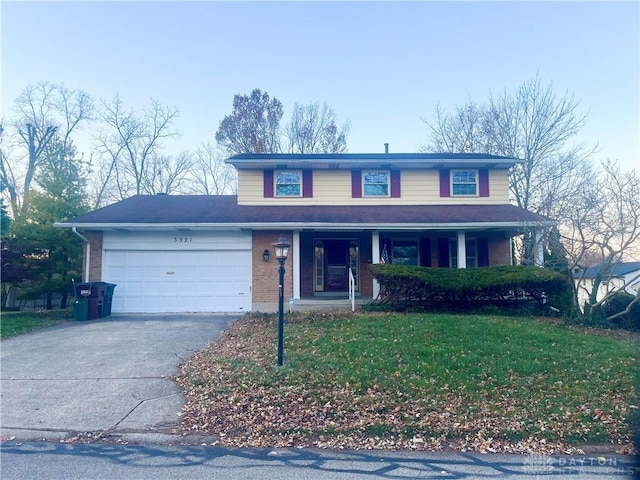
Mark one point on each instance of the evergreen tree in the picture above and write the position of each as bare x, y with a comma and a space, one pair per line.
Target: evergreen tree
50, 258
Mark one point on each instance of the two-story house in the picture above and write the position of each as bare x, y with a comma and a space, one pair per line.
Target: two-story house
340, 212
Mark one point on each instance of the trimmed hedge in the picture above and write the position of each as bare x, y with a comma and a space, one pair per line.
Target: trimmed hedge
410, 287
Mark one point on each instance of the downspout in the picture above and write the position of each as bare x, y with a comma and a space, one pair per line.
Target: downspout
87, 263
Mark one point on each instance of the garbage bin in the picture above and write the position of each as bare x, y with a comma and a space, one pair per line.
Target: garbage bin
93, 292
81, 309
108, 298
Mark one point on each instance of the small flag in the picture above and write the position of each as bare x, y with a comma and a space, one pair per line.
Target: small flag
384, 258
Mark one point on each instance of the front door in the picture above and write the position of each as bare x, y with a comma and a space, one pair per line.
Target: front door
333, 258
337, 257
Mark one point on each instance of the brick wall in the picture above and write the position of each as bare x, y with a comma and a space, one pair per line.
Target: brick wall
499, 251
366, 278
265, 274
95, 265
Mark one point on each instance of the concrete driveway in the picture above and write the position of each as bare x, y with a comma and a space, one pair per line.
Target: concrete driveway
107, 375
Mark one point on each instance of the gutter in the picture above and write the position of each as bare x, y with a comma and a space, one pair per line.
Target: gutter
88, 262
308, 225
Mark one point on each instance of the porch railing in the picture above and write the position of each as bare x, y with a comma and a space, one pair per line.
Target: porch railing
352, 290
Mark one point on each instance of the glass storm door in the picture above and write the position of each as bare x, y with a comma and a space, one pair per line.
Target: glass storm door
332, 259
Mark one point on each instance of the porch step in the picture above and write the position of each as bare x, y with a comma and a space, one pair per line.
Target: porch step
327, 303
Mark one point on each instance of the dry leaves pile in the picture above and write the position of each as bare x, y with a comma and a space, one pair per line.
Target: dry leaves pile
235, 394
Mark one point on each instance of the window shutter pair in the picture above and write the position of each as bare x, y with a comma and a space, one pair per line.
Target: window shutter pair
483, 252
307, 184
356, 184
483, 183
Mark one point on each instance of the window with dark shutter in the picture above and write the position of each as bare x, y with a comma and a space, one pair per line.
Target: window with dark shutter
268, 183
307, 183
356, 183
443, 252
395, 183
483, 252
483, 182
445, 189
425, 252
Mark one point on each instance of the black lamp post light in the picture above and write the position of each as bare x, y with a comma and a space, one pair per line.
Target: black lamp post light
281, 248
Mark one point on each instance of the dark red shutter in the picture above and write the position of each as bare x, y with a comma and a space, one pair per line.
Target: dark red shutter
443, 252
268, 183
445, 190
425, 252
483, 252
395, 183
356, 183
307, 183
483, 183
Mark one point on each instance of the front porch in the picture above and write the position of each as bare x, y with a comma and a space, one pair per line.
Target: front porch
319, 262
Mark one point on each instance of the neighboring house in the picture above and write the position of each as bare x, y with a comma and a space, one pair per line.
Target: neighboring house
340, 212
620, 276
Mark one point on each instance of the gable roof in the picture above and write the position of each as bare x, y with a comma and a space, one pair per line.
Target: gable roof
618, 270
371, 160
223, 212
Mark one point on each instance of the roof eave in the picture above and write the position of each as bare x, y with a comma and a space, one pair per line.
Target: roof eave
347, 164
305, 226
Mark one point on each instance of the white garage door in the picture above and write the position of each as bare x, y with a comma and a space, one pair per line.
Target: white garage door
182, 277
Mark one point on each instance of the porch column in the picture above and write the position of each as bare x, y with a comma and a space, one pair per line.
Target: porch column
462, 250
296, 264
538, 253
375, 258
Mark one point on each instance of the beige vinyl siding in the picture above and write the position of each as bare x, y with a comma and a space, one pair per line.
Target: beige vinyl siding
333, 187
250, 187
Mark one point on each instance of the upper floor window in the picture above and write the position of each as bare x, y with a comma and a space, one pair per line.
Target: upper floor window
464, 182
375, 183
288, 183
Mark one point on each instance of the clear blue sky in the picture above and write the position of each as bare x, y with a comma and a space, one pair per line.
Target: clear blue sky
382, 65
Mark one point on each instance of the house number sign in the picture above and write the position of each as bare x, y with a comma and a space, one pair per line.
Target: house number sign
182, 239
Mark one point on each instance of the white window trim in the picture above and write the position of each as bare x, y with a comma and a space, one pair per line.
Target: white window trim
388, 172
275, 183
451, 174
455, 242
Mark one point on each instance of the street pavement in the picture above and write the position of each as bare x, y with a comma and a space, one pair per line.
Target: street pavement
55, 461
112, 378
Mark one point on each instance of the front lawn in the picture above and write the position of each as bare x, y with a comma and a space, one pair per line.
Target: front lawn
15, 323
417, 381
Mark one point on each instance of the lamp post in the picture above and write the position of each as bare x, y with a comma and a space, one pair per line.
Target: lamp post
281, 247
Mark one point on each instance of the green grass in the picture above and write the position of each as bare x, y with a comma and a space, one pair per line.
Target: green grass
446, 376
15, 323
495, 365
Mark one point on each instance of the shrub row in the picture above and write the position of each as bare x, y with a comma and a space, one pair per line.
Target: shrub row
421, 287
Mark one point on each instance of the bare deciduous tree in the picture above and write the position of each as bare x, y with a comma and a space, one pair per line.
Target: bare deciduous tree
253, 126
210, 175
41, 112
167, 173
129, 145
604, 224
313, 129
534, 125
531, 124
463, 131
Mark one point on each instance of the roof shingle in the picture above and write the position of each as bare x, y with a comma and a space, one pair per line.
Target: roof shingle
223, 209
